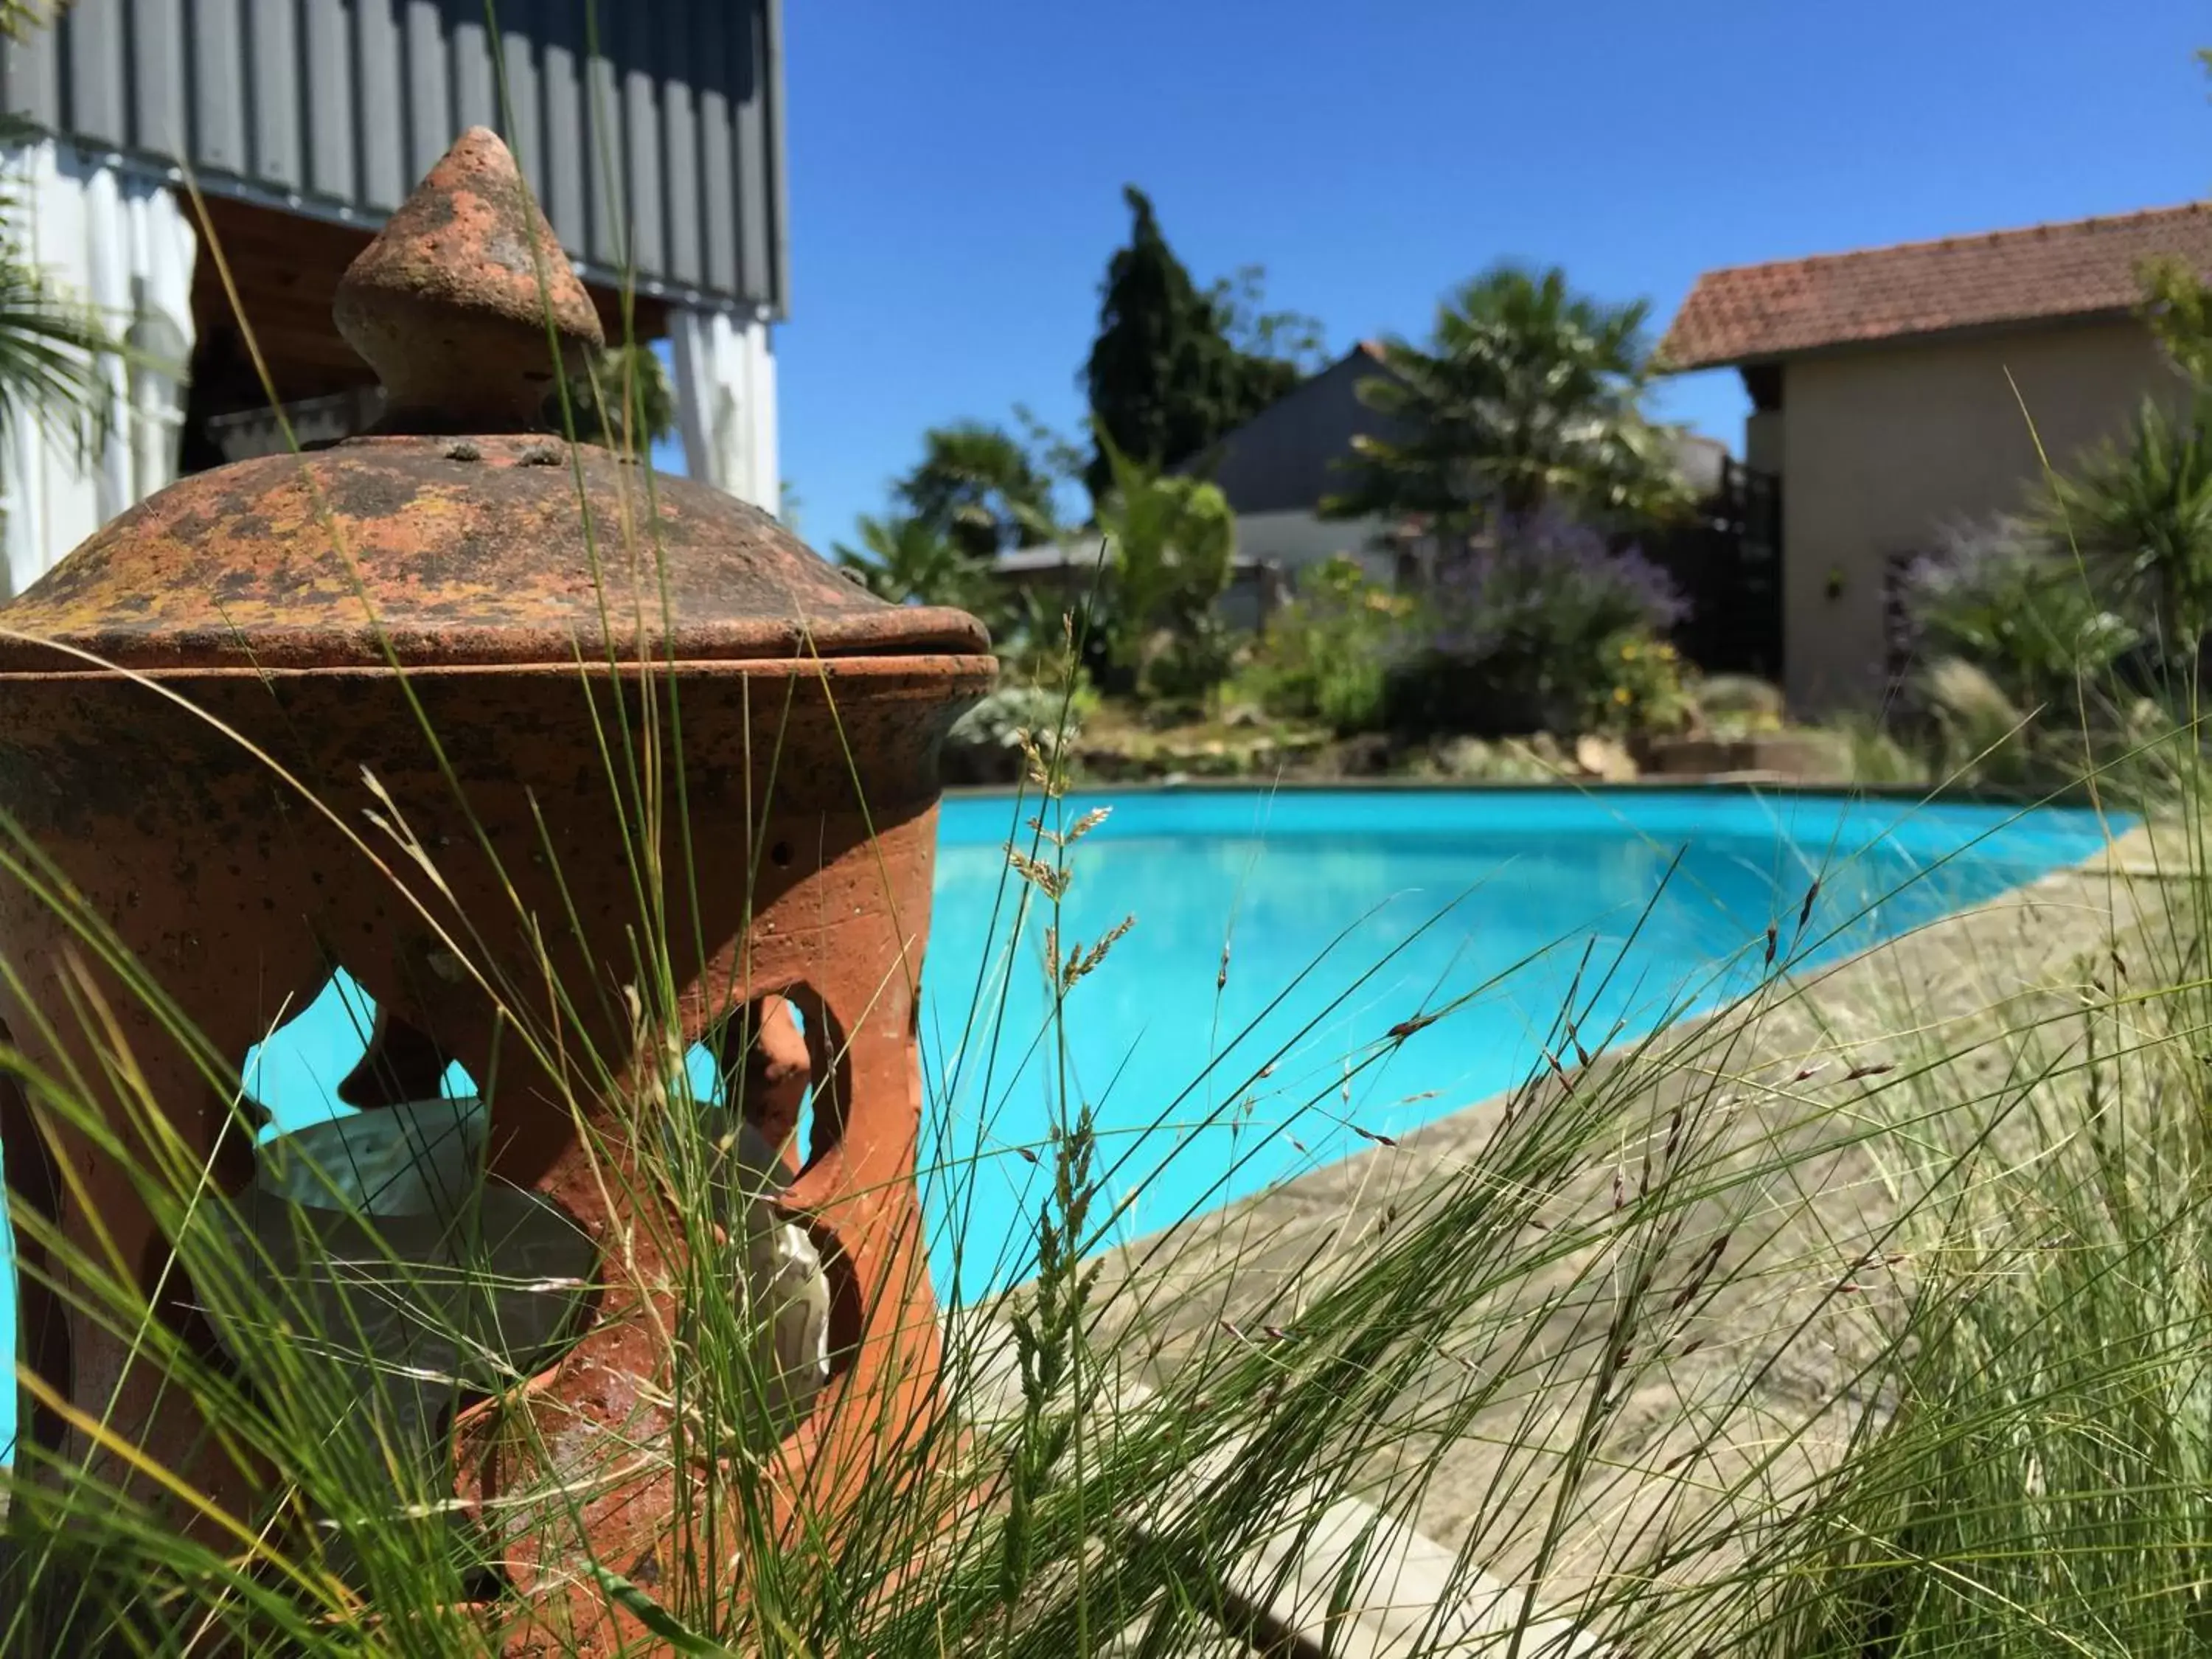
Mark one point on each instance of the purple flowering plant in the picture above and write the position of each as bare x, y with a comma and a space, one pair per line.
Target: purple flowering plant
1544, 624
2025, 614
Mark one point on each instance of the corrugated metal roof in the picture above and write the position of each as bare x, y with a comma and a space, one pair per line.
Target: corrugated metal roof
652, 132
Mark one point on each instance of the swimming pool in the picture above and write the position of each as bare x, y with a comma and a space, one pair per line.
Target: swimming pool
1239, 1033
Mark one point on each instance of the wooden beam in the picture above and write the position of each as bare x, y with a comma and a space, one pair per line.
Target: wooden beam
285, 269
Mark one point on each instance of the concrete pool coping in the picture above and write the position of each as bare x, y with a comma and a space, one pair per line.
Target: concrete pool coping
1733, 785
1415, 1565
1227, 1271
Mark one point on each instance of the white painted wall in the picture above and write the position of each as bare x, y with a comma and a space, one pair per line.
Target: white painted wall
116, 239
726, 401
1295, 540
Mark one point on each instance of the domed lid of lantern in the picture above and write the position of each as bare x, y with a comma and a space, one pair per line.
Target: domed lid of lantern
461, 532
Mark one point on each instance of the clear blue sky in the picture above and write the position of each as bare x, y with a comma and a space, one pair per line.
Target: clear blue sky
956, 169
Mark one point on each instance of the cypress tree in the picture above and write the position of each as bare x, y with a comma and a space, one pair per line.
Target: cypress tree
1164, 379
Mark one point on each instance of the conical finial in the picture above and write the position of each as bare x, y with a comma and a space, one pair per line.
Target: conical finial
448, 305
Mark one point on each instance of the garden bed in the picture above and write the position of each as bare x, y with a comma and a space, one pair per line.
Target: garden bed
1114, 742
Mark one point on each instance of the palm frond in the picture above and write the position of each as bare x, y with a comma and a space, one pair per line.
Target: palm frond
908, 560
2138, 511
50, 346
18, 18
1527, 393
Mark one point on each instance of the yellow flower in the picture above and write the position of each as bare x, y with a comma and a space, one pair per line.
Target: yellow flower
1665, 653
1620, 696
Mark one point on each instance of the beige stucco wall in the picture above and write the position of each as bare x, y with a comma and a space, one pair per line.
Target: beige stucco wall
1882, 449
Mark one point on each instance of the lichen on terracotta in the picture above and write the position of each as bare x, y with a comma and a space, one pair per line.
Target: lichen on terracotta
381, 707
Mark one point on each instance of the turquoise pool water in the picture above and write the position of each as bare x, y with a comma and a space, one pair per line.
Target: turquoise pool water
1343, 913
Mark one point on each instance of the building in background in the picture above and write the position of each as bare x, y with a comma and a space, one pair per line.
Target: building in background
1278, 468
653, 135
1900, 392
1275, 470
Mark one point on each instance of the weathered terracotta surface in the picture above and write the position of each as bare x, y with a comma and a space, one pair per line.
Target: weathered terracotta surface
764, 1057
451, 304
738, 736
450, 552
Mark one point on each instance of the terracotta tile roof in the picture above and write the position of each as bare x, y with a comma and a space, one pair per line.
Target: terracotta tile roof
2085, 268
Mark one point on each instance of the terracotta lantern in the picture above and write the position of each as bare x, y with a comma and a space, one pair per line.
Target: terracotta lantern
485, 720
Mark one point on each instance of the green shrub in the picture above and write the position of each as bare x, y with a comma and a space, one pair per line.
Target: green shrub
1738, 705
1348, 696
1543, 628
2024, 613
1185, 666
2136, 514
1039, 632
1174, 544
1324, 655
1983, 738
1877, 759
1648, 691
989, 743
